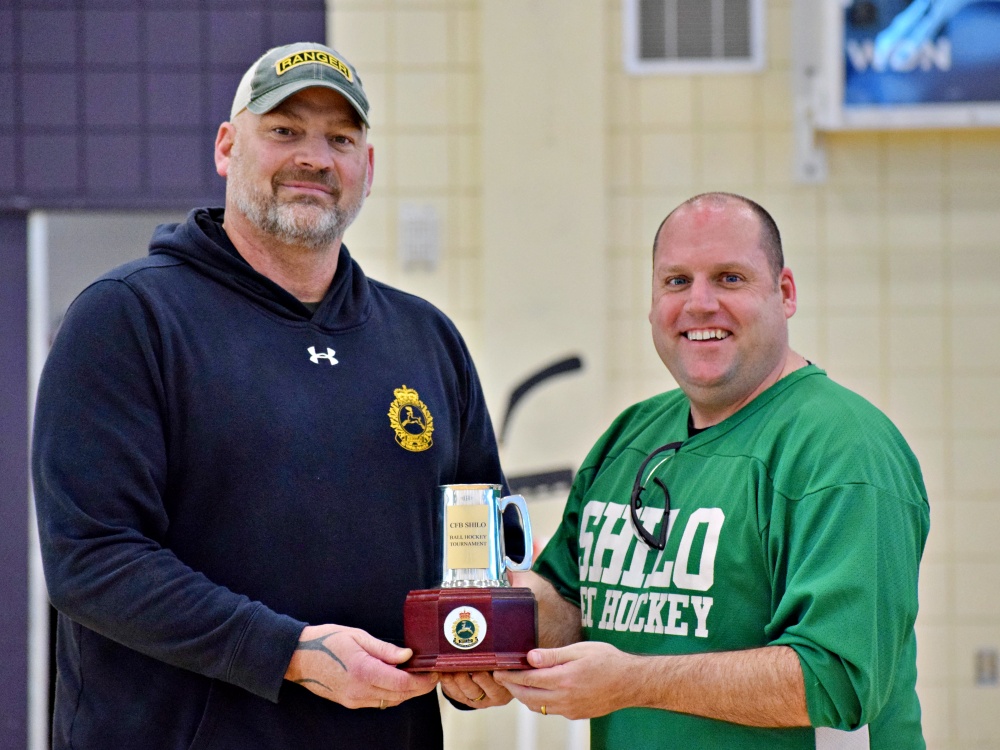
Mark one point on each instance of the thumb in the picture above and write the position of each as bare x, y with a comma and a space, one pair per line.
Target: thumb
540, 658
383, 650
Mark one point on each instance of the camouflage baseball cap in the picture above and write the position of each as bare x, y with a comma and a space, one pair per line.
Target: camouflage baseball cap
283, 71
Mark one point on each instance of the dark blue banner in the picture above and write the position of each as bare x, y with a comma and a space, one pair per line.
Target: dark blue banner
921, 52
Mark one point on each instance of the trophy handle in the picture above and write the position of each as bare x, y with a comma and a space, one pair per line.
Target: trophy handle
522, 511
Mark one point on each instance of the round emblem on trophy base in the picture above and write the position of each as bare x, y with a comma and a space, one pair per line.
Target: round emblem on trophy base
447, 629
465, 627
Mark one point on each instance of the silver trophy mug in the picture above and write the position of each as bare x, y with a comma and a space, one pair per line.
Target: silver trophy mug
475, 620
474, 555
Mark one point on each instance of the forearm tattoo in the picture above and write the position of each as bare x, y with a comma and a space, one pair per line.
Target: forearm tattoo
316, 644
314, 682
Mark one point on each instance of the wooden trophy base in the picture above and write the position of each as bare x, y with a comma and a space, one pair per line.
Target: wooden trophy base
469, 629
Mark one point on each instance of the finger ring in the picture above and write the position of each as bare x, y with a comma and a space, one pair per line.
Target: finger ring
544, 712
381, 704
476, 700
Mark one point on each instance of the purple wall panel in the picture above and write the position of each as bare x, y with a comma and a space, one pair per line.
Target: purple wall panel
54, 168
247, 4
6, 32
13, 479
173, 37
111, 38
173, 100
113, 99
119, 175
8, 155
220, 88
49, 100
48, 37
149, 73
300, 26
178, 161
230, 31
6, 95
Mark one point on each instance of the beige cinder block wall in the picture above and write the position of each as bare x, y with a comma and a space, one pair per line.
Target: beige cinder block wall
551, 169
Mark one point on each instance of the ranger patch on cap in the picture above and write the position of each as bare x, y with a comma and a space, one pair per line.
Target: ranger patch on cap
295, 59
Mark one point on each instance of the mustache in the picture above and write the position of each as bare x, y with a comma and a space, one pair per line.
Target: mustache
324, 179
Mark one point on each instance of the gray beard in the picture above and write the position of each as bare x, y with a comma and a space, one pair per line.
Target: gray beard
317, 228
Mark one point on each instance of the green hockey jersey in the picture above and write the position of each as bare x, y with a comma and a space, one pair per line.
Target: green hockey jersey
799, 521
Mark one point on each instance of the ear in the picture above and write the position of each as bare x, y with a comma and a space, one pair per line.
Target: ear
371, 168
786, 284
223, 147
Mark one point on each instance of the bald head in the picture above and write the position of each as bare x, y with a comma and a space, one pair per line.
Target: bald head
769, 239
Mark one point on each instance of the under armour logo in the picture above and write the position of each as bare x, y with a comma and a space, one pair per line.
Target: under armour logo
315, 358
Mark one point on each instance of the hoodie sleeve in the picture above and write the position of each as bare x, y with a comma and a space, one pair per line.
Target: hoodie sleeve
101, 485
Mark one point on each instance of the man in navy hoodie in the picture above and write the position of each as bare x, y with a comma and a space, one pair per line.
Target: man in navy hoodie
237, 446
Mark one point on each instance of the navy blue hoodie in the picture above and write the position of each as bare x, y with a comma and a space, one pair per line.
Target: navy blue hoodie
215, 468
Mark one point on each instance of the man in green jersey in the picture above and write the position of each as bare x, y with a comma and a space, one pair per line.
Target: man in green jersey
737, 563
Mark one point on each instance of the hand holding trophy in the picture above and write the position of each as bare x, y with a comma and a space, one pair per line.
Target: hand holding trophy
475, 621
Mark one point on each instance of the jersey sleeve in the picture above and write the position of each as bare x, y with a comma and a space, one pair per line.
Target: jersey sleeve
846, 559
100, 471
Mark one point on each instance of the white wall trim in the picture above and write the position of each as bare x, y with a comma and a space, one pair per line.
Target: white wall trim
38, 595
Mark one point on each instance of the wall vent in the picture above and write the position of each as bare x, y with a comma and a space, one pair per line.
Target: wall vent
419, 236
693, 36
